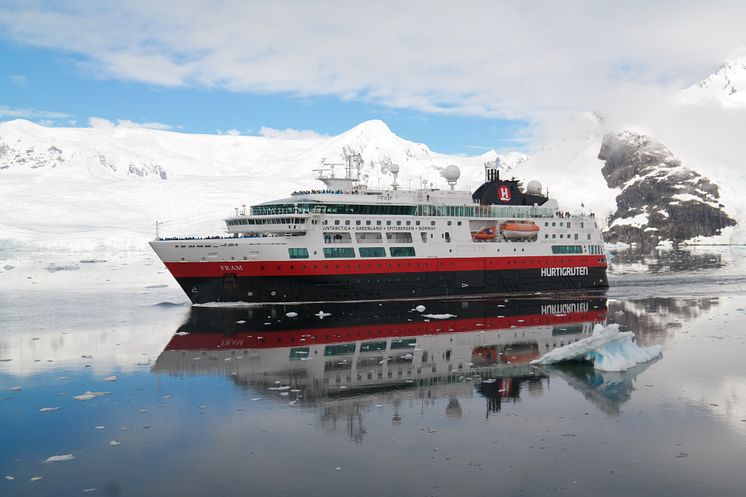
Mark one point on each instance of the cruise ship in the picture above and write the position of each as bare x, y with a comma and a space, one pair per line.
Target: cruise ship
347, 242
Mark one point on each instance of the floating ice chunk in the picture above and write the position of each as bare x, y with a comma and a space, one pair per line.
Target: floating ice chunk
99, 427
35, 478
291, 314
420, 308
111, 378
10, 477
322, 314
48, 409
607, 348
60, 458
114, 443
15, 389
88, 395
87, 490
439, 316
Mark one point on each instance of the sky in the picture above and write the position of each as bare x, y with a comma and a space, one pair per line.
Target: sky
461, 77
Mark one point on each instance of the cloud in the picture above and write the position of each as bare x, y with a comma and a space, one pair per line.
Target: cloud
290, 134
32, 114
509, 59
101, 123
19, 80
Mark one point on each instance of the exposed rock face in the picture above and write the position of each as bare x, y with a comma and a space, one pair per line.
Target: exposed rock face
660, 199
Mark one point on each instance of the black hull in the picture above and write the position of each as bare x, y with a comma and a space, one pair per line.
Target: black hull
383, 286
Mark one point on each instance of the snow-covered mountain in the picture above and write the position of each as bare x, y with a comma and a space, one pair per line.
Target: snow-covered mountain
104, 186
727, 86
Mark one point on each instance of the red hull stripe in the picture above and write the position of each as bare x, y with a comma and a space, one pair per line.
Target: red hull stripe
374, 266
278, 338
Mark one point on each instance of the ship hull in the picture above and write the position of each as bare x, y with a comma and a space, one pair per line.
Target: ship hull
393, 285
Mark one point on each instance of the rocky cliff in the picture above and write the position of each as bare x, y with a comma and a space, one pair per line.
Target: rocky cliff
660, 198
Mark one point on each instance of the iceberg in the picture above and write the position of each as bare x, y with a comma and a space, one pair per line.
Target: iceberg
607, 348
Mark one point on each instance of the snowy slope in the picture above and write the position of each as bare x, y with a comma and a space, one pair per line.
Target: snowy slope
727, 86
103, 187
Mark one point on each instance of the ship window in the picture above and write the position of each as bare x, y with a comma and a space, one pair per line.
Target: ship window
299, 353
582, 225
568, 224
567, 249
372, 251
339, 349
546, 236
561, 223
369, 237
388, 223
554, 224
338, 252
357, 223
424, 237
372, 346
561, 235
402, 251
432, 223
298, 253
409, 223
589, 236
403, 343
378, 223
546, 224
459, 223
554, 236
336, 222
347, 223
398, 223
576, 236
397, 237
417, 223
367, 223
450, 223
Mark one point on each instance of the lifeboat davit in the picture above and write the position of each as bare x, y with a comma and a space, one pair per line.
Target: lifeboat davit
484, 234
519, 229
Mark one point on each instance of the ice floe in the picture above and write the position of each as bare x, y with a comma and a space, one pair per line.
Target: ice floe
607, 348
60, 458
48, 409
88, 395
111, 378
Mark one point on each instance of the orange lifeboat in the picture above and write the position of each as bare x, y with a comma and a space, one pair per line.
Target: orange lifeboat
484, 234
519, 229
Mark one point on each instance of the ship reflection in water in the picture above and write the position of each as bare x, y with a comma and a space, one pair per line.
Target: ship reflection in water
311, 353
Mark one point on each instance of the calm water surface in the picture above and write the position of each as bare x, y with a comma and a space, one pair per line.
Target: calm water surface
373, 399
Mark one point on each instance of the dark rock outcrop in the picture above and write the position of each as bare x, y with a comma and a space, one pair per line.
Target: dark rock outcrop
660, 199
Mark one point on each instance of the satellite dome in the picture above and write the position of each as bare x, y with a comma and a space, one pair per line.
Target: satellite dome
394, 168
534, 187
452, 173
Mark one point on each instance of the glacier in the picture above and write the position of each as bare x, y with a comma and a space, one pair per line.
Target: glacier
607, 348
